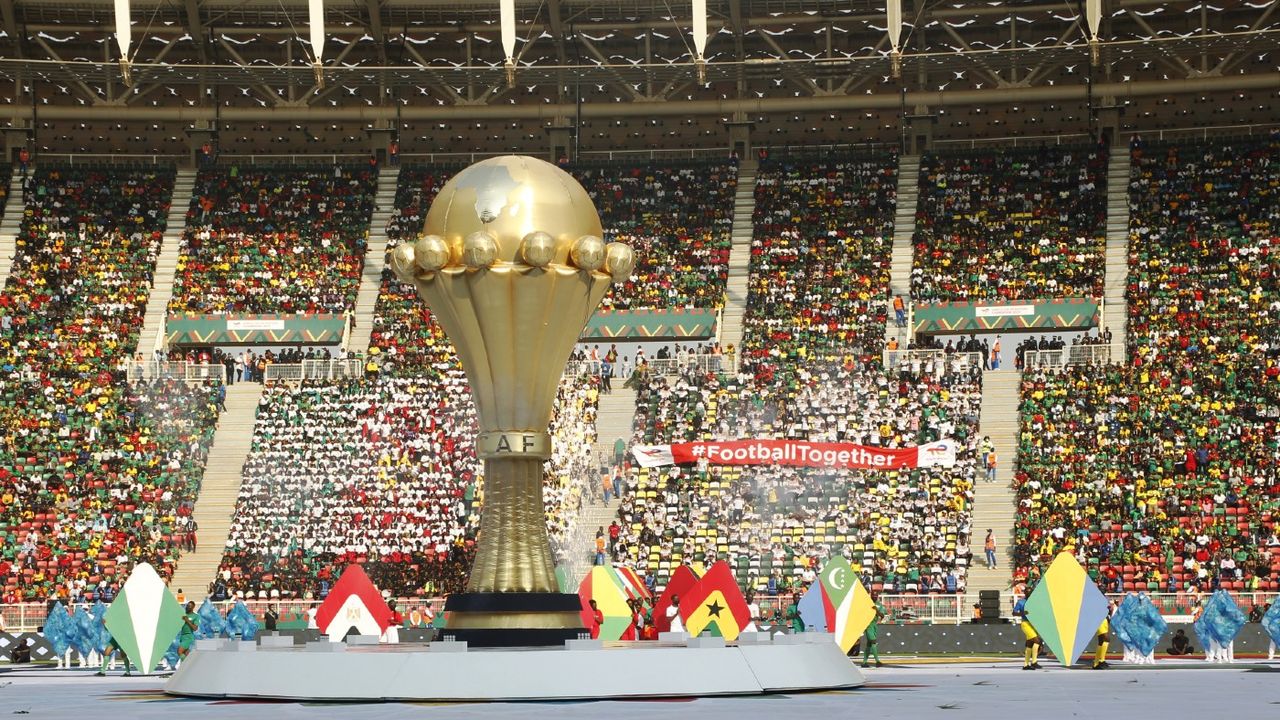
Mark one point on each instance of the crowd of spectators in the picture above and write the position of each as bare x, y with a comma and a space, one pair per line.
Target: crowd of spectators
1163, 471
380, 472
1161, 480
405, 340
1205, 219
95, 474
678, 217
819, 272
908, 531
274, 240
1012, 223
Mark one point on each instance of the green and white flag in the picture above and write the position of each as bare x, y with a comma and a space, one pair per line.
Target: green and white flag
145, 618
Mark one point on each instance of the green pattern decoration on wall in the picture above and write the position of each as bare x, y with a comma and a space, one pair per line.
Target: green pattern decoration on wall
672, 324
996, 316
234, 329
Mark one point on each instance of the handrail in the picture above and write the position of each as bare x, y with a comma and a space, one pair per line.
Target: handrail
664, 366
1073, 355
952, 361
148, 370
349, 369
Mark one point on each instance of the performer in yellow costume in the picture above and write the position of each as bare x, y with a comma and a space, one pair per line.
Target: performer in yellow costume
1104, 639
1031, 656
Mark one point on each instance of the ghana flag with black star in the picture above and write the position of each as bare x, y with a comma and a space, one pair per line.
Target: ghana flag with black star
716, 605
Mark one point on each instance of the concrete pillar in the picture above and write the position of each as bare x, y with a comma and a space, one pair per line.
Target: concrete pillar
196, 138
920, 131
740, 138
380, 137
16, 138
560, 142
1108, 120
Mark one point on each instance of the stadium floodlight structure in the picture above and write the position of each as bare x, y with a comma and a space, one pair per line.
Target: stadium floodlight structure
512, 266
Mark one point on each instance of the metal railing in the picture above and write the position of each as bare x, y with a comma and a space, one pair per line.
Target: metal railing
665, 366
1073, 355
1016, 141
348, 369
906, 609
938, 359
148, 370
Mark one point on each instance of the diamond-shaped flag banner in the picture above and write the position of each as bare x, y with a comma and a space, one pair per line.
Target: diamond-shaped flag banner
1066, 608
604, 586
144, 618
683, 579
716, 604
1271, 622
813, 608
1221, 620
847, 604
353, 602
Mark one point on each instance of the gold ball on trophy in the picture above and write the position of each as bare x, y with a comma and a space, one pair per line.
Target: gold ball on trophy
619, 260
587, 252
402, 262
479, 250
430, 253
538, 249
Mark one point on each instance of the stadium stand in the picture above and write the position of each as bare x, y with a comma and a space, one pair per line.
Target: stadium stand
819, 270
380, 472
1162, 472
275, 240
1012, 223
678, 217
910, 531
405, 340
95, 475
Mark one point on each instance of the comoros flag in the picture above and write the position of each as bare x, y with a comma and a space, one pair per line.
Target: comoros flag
715, 604
353, 602
838, 603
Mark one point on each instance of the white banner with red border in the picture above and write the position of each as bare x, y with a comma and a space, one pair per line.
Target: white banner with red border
798, 453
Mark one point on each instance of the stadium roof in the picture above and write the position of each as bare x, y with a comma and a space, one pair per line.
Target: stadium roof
812, 71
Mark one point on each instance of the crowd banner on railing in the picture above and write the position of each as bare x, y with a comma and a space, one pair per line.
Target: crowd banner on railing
797, 453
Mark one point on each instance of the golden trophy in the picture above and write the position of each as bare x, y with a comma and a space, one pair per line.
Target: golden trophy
512, 265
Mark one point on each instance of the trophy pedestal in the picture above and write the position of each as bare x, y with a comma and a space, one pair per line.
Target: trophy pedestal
507, 619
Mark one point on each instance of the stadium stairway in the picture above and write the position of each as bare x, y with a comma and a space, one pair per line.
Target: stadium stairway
9, 225
157, 310
904, 226
617, 411
735, 305
994, 503
375, 259
1115, 314
218, 491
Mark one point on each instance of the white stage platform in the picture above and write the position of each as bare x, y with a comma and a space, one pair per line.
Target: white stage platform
441, 672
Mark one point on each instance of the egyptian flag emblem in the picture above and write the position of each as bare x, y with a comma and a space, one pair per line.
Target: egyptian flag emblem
353, 603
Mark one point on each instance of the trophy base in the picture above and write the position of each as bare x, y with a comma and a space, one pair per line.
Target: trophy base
508, 619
